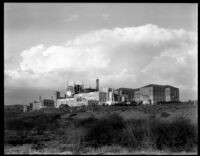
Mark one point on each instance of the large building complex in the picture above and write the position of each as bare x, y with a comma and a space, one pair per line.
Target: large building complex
149, 94
80, 95
86, 96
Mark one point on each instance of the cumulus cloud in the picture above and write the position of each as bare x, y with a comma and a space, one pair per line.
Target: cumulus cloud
120, 57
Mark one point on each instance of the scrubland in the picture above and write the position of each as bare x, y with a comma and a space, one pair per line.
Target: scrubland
161, 129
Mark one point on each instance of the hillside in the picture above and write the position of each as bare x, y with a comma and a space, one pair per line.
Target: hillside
80, 130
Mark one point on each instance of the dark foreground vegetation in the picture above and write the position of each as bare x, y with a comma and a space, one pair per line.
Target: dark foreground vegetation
40, 129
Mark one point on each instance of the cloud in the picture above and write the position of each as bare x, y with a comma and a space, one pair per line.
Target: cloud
71, 18
119, 57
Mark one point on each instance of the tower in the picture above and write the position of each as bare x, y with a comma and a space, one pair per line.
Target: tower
97, 84
57, 95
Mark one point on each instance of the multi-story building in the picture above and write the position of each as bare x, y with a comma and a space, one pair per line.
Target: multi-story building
78, 89
171, 93
36, 105
91, 98
47, 103
137, 96
77, 95
153, 94
98, 96
126, 94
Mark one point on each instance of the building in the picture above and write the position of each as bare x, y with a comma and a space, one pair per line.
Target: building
47, 103
83, 99
78, 89
171, 93
111, 97
87, 90
107, 90
70, 91
71, 102
14, 108
37, 105
126, 94
78, 95
153, 94
73, 89
137, 96
96, 96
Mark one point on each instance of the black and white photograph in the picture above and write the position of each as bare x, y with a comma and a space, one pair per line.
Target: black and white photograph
101, 78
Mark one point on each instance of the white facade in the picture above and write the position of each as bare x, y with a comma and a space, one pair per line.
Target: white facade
37, 105
83, 99
71, 102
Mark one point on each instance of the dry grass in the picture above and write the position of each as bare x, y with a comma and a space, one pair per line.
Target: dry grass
71, 138
107, 150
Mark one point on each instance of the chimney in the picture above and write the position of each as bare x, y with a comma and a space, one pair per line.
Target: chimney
57, 95
40, 99
97, 84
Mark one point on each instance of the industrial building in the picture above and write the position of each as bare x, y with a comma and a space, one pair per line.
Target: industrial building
79, 95
153, 94
126, 94
36, 105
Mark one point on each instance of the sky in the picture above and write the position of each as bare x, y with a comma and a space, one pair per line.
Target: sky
123, 44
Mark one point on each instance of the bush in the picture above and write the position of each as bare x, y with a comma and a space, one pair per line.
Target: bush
87, 122
27, 128
177, 135
164, 115
105, 131
72, 114
110, 130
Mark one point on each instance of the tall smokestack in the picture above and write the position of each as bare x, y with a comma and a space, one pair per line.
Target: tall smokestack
97, 84
40, 98
57, 95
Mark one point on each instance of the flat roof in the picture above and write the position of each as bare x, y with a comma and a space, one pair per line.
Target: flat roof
156, 85
128, 89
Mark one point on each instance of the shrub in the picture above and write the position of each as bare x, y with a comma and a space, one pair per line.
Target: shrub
164, 115
72, 114
26, 126
135, 131
177, 135
105, 131
85, 122
110, 130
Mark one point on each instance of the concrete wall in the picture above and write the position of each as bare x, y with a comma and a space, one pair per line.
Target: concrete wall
126, 94
83, 99
171, 94
158, 94
146, 95
137, 96
37, 106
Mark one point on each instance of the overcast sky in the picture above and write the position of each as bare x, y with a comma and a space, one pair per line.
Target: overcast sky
124, 45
